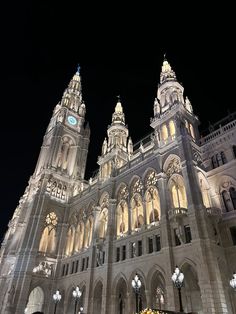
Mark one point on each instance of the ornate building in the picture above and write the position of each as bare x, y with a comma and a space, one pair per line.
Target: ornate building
168, 200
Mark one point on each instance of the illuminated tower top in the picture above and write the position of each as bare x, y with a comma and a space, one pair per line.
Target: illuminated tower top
167, 74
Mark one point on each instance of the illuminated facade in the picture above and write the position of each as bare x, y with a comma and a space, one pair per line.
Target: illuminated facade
168, 200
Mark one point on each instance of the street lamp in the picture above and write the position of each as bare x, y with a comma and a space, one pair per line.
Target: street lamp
178, 280
76, 294
81, 310
233, 282
136, 284
56, 298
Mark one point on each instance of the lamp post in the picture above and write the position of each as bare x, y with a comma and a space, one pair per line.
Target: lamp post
178, 280
56, 298
136, 284
232, 282
81, 310
76, 294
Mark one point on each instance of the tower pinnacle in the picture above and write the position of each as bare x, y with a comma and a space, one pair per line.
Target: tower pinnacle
167, 73
118, 116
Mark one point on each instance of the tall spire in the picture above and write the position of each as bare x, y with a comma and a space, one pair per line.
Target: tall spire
72, 97
167, 74
118, 116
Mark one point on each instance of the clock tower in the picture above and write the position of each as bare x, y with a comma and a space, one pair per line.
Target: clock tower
65, 144
58, 176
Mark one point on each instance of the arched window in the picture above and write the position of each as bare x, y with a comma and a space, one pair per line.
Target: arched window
152, 205
103, 220
178, 193
79, 237
48, 238
164, 133
122, 218
227, 200
172, 129
223, 158
88, 232
214, 162
137, 211
191, 130
70, 241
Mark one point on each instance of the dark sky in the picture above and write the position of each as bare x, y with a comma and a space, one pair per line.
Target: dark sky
120, 52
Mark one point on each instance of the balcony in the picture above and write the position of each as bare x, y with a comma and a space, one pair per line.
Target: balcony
179, 212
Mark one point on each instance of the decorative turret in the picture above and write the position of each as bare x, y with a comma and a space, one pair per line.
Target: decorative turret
170, 109
167, 74
117, 149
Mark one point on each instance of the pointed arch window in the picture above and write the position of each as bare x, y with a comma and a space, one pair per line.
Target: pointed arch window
178, 192
152, 206
223, 158
164, 133
79, 237
103, 220
214, 162
70, 241
122, 218
226, 196
48, 237
88, 232
137, 212
191, 130
172, 129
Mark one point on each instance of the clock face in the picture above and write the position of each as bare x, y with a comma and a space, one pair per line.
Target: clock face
72, 120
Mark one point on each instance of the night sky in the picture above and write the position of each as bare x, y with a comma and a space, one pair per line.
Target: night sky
120, 52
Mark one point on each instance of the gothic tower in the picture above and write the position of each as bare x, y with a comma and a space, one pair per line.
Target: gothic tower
117, 150
58, 176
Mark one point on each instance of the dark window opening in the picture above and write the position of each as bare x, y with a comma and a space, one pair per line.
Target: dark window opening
188, 236
158, 243
117, 254
76, 266
177, 240
233, 234
140, 249
150, 245
123, 252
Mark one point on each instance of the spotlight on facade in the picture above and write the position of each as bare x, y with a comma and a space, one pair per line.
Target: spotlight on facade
178, 280
56, 298
76, 294
232, 282
136, 284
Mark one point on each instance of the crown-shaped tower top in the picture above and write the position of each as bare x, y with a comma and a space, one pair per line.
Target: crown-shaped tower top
118, 116
167, 74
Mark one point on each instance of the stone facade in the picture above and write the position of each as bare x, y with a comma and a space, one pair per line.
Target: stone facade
168, 200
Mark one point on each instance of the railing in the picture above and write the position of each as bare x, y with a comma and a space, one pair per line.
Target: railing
174, 212
218, 132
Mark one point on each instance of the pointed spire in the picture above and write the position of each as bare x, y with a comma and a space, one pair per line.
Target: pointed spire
167, 73
72, 97
118, 116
